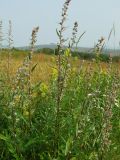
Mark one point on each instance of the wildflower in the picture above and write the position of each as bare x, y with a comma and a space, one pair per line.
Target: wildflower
74, 33
17, 98
43, 89
67, 52
74, 69
26, 113
54, 73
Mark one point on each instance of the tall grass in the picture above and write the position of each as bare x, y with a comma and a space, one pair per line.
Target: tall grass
73, 114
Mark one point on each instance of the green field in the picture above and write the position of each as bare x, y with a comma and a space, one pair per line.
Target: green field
60, 105
87, 124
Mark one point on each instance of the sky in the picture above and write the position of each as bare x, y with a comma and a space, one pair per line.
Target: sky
96, 17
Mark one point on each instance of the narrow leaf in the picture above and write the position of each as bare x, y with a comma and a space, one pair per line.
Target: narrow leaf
68, 145
33, 68
57, 33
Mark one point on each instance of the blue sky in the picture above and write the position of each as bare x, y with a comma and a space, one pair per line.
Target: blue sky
96, 17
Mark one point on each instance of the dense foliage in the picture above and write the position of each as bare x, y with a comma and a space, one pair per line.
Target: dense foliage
73, 116
89, 116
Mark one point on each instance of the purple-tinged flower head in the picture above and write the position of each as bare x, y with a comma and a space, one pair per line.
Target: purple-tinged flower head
63, 19
74, 34
33, 35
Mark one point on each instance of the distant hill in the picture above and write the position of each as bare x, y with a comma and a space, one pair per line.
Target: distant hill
115, 52
53, 46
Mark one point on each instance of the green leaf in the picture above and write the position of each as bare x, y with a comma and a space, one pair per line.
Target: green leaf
57, 33
31, 142
33, 68
2, 137
10, 146
77, 128
68, 145
73, 158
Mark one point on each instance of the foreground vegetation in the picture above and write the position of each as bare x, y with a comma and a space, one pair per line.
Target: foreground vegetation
89, 113
59, 107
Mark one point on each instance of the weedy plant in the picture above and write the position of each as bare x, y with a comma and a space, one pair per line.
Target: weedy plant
1, 34
74, 116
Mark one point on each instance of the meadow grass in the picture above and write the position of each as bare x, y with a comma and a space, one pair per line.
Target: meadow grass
91, 92
46, 64
58, 107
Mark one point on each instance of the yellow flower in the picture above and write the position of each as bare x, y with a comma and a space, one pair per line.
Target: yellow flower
67, 52
26, 113
54, 73
103, 71
17, 98
43, 89
74, 69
